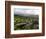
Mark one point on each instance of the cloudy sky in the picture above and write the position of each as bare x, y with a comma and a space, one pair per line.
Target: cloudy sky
24, 11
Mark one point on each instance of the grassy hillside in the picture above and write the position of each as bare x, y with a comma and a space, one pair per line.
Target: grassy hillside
25, 23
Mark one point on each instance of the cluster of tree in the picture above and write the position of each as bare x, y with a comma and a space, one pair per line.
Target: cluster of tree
22, 23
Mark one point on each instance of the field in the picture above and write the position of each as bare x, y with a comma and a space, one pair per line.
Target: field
26, 22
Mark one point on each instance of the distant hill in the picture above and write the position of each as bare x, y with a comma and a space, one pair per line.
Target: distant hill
27, 15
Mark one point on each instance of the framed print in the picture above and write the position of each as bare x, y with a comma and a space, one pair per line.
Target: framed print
24, 19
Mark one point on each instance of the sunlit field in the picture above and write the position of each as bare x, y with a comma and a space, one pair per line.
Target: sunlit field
26, 22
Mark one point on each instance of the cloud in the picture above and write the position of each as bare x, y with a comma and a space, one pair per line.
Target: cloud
20, 11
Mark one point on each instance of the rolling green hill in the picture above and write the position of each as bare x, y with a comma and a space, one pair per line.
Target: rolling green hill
26, 22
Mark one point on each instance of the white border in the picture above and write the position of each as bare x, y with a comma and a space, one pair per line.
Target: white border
25, 31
